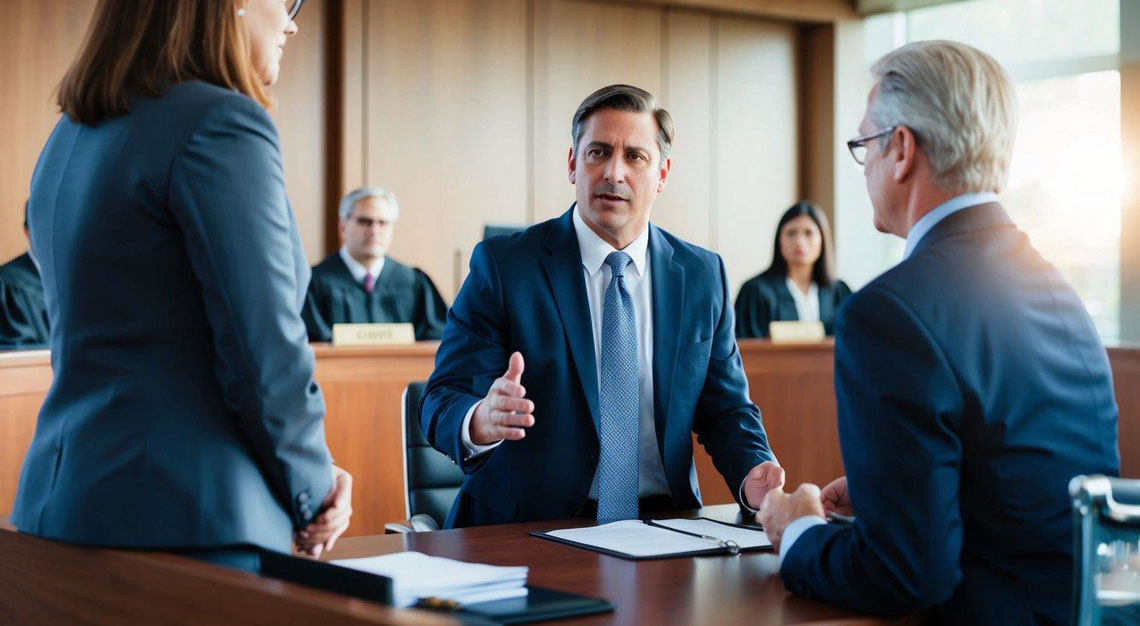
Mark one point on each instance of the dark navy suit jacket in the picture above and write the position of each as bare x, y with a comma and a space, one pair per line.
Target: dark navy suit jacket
526, 292
183, 411
971, 387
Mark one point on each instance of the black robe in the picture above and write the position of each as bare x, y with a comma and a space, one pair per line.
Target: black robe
763, 299
402, 294
23, 316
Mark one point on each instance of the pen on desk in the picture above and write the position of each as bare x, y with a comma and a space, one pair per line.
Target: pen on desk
731, 546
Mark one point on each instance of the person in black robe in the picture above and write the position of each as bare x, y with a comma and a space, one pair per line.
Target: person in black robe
23, 315
361, 284
800, 284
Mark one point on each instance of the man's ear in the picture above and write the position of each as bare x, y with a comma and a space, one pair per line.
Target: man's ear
663, 174
904, 153
572, 168
340, 225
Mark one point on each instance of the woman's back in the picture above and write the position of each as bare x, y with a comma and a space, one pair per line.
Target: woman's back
173, 277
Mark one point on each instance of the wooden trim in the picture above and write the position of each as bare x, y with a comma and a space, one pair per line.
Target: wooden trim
335, 88
814, 11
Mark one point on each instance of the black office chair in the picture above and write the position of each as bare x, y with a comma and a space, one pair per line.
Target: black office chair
1106, 579
431, 480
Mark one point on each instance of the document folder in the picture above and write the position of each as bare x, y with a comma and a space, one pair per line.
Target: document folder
660, 539
540, 604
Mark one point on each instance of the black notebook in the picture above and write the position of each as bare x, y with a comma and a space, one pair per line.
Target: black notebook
659, 539
538, 605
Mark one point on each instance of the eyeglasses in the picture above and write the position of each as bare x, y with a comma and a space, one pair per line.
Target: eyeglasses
294, 7
858, 145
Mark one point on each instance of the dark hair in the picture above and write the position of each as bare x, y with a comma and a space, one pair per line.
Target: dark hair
624, 98
823, 272
143, 47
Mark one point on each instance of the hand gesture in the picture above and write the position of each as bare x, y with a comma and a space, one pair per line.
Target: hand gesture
505, 412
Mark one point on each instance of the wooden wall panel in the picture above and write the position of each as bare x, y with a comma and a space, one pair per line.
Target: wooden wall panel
446, 94
756, 139
580, 47
685, 207
38, 40
301, 124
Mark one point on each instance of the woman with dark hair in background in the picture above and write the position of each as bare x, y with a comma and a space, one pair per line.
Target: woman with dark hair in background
183, 414
800, 283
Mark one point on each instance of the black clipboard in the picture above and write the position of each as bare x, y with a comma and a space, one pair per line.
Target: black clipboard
723, 549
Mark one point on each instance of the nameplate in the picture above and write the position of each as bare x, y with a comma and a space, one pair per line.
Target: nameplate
796, 332
373, 334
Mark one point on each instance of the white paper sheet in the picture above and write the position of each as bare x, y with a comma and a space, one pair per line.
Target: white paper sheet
416, 575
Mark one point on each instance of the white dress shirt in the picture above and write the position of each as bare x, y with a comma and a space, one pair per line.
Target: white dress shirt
807, 304
359, 271
596, 274
917, 232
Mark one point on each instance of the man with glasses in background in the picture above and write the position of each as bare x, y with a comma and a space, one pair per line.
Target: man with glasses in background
971, 383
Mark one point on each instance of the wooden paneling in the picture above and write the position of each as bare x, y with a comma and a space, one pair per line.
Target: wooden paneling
815, 91
685, 207
446, 131
796, 10
580, 47
792, 385
302, 124
37, 43
756, 149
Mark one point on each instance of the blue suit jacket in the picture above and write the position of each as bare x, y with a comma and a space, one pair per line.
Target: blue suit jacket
971, 386
526, 292
183, 411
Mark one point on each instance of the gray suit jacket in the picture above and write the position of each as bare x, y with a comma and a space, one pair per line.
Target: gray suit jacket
183, 410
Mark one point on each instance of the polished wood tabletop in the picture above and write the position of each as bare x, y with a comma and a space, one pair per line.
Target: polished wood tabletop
743, 589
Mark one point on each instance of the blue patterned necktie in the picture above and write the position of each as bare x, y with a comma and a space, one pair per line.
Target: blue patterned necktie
620, 397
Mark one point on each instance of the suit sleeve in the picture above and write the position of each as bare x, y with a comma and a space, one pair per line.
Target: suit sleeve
228, 196
900, 408
473, 352
727, 423
752, 312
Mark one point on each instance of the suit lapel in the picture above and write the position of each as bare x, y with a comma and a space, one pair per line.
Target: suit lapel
563, 269
826, 303
785, 304
668, 278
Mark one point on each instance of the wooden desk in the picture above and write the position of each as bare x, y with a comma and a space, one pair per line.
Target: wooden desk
700, 590
43, 581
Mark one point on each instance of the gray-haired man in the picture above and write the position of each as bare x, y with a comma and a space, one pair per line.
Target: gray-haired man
360, 284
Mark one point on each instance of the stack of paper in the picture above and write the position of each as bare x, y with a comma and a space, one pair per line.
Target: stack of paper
416, 575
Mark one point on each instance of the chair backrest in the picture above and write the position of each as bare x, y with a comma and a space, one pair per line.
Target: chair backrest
432, 481
1106, 580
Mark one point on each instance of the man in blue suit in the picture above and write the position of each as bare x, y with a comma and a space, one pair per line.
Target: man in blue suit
970, 380
617, 342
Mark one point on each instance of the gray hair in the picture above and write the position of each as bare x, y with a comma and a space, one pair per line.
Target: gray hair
959, 103
348, 202
624, 98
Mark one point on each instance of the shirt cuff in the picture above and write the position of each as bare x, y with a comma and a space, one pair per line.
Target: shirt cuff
471, 448
744, 501
795, 529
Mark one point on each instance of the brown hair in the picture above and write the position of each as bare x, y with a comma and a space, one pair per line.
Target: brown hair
624, 98
144, 47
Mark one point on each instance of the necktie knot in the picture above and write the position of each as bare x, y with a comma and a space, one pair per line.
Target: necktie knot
369, 282
618, 260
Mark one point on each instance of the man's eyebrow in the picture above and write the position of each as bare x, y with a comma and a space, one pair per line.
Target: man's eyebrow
600, 144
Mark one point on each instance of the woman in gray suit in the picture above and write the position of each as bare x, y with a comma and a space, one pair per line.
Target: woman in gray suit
183, 414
